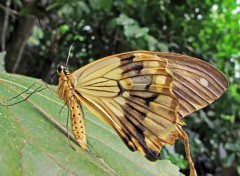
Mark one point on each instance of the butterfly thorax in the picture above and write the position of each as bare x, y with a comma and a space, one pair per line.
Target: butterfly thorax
65, 88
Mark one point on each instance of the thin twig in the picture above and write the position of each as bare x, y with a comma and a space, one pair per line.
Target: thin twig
14, 12
5, 26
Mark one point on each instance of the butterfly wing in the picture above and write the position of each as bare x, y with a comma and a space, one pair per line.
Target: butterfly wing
132, 92
196, 83
138, 94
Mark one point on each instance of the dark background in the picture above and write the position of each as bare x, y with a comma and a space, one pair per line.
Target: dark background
37, 34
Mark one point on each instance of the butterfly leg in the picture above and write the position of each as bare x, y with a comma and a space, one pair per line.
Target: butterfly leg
68, 135
184, 137
38, 89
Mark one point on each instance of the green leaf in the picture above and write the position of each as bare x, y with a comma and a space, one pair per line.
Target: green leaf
163, 47
124, 20
33, 138
63, 28
229, 160
101, 4
135, 31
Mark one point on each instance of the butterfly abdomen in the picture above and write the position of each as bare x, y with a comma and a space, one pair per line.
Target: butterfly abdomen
77, 122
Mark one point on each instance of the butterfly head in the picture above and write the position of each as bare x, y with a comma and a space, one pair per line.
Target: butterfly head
63, 69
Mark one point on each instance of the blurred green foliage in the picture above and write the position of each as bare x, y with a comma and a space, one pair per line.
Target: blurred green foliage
2, 55
206, 29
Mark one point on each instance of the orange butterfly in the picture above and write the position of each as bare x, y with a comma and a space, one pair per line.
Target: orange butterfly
142, 95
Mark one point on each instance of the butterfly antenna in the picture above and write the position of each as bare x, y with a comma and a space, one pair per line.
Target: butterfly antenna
69, 51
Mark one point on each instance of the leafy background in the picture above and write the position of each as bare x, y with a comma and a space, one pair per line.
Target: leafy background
36, 36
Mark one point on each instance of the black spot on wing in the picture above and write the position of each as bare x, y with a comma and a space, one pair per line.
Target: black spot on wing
120, 88
151, 99
151, 155
145, 99
136, 67
148, 85
126, 59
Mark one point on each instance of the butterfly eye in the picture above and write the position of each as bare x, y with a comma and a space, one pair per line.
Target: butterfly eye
60, 68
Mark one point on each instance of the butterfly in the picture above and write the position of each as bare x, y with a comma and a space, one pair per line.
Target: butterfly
143, 95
